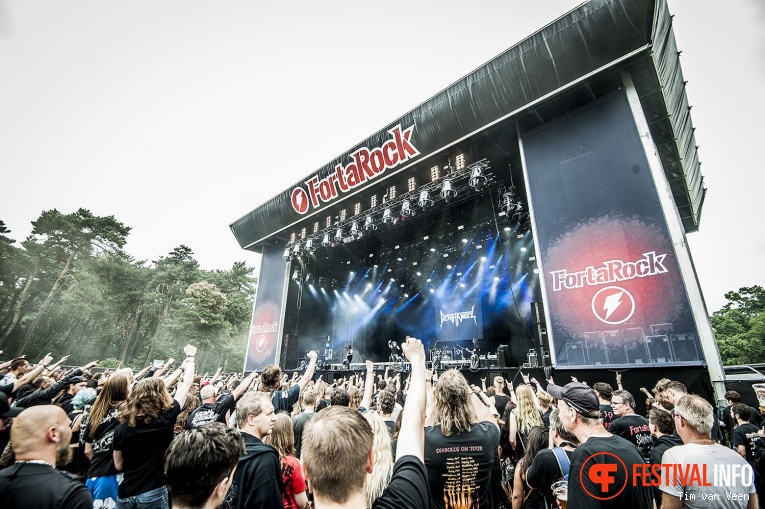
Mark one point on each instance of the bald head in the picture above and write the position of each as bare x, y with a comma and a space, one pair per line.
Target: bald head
42, 433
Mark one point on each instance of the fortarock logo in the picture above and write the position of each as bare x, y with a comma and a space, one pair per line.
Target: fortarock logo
613, 305
612, 271
456, 318
366, 165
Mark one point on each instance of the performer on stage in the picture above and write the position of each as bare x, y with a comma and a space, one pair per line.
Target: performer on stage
395, 351
348, 355
473, 349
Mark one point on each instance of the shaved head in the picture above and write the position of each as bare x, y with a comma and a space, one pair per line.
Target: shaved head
42, 433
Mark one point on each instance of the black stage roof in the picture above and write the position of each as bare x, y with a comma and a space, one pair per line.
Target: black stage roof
567, 64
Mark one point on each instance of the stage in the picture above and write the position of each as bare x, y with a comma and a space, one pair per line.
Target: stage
535, 210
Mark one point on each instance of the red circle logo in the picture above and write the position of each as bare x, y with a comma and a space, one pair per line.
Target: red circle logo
299, 200
603, 475
613, 305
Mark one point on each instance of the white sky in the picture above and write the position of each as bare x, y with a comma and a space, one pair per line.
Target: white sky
178, 117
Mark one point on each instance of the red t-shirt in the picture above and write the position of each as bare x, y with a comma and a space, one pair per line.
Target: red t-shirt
293, 481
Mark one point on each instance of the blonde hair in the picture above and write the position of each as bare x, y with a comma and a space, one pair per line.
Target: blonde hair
355, 395
148, 399
382, 470
526, 413
114, 393
282, 437
452, 408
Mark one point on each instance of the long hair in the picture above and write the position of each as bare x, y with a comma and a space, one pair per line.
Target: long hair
282, 437
191, 404
113, 394
382, 470
452, 408
526, 414
355, 395
147, 400
539, 438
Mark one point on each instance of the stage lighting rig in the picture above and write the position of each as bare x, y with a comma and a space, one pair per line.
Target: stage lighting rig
406, 209
355, 231
477, 178
287, 255
369, 223
296, 275
425, 200
339, 235
310, 246
448, 192
325, 241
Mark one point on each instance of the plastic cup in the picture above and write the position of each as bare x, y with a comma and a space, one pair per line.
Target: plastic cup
560, 490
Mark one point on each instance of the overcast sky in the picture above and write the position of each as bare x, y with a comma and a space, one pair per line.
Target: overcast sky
178, 117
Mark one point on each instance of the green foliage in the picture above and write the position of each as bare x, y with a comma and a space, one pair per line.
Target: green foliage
109, 363
740, 326
70, 288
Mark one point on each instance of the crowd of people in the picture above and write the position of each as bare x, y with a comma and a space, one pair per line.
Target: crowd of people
167, 437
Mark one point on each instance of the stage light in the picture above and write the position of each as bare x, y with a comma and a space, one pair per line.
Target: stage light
483, 258
536, 271
477, 179
496, 279
287, 255
523, 249
449, 267
507, 228
448, 192
309, 246
462, 285
355, 232
296, 250
339, 235
325, 241
464, 241
387, 216
296, 275
406, 209
508, 202
419, 273
399, 258
425, 200
432, 250
369, 223
406, 295
309, 278
432, 290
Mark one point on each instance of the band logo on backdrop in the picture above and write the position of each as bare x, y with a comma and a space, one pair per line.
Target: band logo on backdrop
459, 320
366, 165
614, 291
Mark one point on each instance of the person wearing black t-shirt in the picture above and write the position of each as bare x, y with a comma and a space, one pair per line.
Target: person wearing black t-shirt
548, 466
141, 440
102, 476
599, 452
662, 426
629, 425
215, 408
271, 380
745, 434
337, 451
605, 392
40, 438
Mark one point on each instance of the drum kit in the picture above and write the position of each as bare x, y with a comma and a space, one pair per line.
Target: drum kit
453, 353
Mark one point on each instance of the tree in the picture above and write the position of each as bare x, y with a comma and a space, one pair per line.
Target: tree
740, 326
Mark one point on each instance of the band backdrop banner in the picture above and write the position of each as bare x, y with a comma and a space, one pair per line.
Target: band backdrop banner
614, 292
459, 320
265, 327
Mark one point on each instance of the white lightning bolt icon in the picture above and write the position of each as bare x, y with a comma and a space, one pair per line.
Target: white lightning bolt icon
612, 303
299, 200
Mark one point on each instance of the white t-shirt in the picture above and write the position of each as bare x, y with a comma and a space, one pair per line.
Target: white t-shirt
712, 464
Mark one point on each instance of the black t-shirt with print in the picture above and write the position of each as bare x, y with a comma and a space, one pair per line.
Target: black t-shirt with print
408, 486
544, 471
746, 435
211, 412
607, 414
634, 428
461, 463
143, 452
624, 455
102, 463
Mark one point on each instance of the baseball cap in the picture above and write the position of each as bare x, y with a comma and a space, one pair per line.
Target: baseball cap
5, 409
578, 396
77, 380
